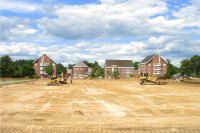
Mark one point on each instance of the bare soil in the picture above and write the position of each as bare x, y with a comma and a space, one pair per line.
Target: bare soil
100, 106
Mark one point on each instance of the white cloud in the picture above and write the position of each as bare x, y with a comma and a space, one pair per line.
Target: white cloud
22, 30
91, 25
15, 28
189, 15
172, 48
111, 1
26, 49
19, 6
102, 20
118, 19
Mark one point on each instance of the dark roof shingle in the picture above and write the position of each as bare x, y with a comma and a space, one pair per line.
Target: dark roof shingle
80, 64
42, 56
119, 63
146, 59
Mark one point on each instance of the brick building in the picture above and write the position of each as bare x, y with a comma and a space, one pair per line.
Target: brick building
124, 67
40, 63
153, 65
81, 70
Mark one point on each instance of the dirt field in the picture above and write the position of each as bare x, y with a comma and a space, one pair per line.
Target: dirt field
100, 106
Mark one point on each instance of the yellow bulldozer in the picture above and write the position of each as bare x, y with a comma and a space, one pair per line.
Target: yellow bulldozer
57, 81
149, 79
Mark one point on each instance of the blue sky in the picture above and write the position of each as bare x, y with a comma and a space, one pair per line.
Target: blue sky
73, 30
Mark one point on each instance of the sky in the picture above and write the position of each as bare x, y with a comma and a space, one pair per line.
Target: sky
69, 31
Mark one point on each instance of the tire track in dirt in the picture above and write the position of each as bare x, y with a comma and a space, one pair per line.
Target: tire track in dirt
91, 106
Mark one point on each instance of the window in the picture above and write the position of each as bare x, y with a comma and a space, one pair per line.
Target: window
35, 64
41, 68
53, 64
149, 64
41, 72
46, 64
164, 64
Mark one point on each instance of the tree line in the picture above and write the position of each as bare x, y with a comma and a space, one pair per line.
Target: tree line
188, 67
24, 68
191, 66
61, 69
97, 70
18, 68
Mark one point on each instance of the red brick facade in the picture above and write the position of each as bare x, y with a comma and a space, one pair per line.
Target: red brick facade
41, 62
80, 70
123, 72
154, 66
124, 68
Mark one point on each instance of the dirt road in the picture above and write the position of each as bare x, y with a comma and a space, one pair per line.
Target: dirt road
100, 106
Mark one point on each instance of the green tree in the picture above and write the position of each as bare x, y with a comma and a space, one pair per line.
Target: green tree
6, 66
97, 70
27, 70
23, 68
171, 69
49, 70
135, 65
70, 66
186, 67
61, 69
91, 65
92, 74
17, 73
195, 65
115, 73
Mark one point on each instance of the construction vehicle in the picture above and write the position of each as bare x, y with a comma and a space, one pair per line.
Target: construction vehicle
150, 79
57, 81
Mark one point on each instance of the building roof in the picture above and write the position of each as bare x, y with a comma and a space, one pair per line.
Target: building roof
41, 56
146, 59
119, 63
80, 64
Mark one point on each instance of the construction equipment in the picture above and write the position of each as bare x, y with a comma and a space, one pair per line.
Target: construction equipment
57, 81
150, 79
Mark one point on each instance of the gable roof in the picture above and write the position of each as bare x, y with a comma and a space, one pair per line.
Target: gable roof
41, 56
80, 64
119, 63
146, 59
